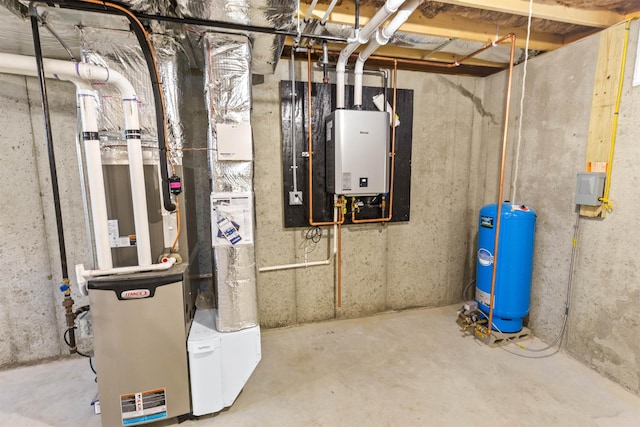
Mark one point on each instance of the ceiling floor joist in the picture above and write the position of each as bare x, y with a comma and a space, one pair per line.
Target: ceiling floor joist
598, 18
446, 26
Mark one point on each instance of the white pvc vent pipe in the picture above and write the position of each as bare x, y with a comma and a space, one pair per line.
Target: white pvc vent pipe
365, 33
382, 38
76, 72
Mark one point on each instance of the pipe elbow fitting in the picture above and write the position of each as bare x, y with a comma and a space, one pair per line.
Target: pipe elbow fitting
392, 6
382, 38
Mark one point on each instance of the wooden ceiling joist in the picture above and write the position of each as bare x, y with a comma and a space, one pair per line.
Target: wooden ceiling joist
446, 26
598, 18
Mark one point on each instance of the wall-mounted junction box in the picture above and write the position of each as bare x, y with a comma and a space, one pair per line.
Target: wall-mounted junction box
357, 152
590, 188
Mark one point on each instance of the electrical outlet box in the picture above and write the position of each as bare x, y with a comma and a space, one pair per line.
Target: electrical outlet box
357, 152
590, 188
295, 198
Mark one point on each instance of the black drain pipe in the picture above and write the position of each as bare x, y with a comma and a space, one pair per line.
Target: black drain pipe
64, 287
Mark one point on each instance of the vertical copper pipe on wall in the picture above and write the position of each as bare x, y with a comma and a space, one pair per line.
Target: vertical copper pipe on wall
501, 185
339, 268
392, 154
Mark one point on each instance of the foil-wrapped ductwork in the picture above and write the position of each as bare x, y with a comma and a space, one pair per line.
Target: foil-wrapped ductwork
228, 98
120, 50
158, 7
171, 64
236, 287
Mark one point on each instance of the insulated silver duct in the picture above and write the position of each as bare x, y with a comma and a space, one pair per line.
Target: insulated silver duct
228, 96
262, 13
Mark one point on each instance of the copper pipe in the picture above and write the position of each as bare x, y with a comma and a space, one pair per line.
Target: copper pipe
393, 156
339, 267
310, 151
501, 186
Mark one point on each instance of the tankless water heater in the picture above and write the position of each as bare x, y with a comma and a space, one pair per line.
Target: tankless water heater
357, 152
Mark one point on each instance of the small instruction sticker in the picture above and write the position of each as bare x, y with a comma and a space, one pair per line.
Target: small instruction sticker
143, 406
229, 230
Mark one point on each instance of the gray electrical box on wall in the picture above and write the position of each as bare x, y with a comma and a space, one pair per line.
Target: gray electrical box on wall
357, 152
590, 188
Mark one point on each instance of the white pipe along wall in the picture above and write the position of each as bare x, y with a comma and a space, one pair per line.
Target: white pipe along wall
381, 15
382, 38
76, 72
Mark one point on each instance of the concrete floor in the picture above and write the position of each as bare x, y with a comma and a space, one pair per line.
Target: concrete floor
412, 368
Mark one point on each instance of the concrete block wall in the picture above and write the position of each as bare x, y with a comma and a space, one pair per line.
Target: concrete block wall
602, 326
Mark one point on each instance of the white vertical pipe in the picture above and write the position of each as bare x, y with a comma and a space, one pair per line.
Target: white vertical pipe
88, 107
134, 150
65, 70
310, 10
381, 15
136, 174
328, 12
381, 39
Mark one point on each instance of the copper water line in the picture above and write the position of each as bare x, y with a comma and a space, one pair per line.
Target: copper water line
501, 186
310, 151
393, 156
339, 267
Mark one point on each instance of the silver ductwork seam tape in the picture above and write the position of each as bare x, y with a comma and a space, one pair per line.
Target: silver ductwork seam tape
228, 97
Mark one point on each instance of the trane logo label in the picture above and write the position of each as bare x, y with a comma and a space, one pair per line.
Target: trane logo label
135, 293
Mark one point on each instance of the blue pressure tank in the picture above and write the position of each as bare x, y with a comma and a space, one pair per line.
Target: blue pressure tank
515, 262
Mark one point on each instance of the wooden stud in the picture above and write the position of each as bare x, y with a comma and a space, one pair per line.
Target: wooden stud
603, 104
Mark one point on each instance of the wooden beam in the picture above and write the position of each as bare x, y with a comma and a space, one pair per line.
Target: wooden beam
603, 106
462, 70
410, 53
599, 18
445, 25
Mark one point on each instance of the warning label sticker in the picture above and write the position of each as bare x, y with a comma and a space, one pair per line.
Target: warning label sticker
483, 297
143, 406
